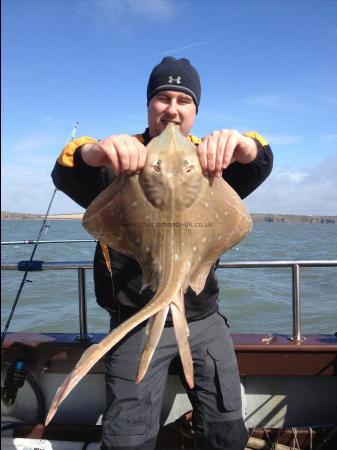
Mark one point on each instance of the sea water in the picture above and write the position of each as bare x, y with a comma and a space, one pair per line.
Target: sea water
254, 300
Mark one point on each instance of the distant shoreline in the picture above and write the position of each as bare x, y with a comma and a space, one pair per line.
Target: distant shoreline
257, 218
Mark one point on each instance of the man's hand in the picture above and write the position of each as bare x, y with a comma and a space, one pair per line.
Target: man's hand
220, 148
120, 152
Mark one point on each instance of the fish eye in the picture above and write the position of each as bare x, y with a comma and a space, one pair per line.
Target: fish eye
188, 166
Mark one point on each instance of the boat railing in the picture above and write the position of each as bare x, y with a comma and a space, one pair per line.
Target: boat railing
82, 266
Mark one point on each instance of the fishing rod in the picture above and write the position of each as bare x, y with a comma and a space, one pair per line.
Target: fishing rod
29, 264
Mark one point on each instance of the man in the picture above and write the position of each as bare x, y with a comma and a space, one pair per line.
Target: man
83, 170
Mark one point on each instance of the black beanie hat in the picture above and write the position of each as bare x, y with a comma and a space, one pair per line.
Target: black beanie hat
174, 75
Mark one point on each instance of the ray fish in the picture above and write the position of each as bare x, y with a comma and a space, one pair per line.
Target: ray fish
176, 223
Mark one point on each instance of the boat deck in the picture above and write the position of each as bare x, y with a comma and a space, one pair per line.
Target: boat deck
257, 354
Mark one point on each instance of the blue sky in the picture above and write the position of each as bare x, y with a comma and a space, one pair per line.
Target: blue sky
269, 66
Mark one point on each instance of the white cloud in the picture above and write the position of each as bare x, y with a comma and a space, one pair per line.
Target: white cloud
266, 100
179, 49
308, 191
24, 188
153, 8
283, 139
288, 175
27, 187
330, 100
26, 182
282, 102
120, 11
34, 143
328, 138
219, 119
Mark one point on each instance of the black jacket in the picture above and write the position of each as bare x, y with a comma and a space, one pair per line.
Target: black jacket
117, 277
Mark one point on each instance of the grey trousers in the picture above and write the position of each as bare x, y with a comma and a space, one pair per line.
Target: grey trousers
131, 418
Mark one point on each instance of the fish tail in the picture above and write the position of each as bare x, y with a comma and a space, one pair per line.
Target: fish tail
181, 332
154, 333
95, 352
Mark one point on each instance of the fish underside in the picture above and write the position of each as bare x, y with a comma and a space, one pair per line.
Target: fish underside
176, 223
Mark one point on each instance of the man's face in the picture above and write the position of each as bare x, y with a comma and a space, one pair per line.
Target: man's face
171, 106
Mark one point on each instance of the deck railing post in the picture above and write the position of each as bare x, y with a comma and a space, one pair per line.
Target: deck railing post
83, 336
81, 266
296, 303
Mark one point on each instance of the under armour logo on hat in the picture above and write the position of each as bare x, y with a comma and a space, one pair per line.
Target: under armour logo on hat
174, 80
165, 76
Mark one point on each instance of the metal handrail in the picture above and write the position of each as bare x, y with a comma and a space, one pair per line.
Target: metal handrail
295, 268
54, 265
81, 267
32, 241
295, 265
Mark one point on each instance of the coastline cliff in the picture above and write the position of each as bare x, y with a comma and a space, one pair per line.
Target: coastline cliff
257, 218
